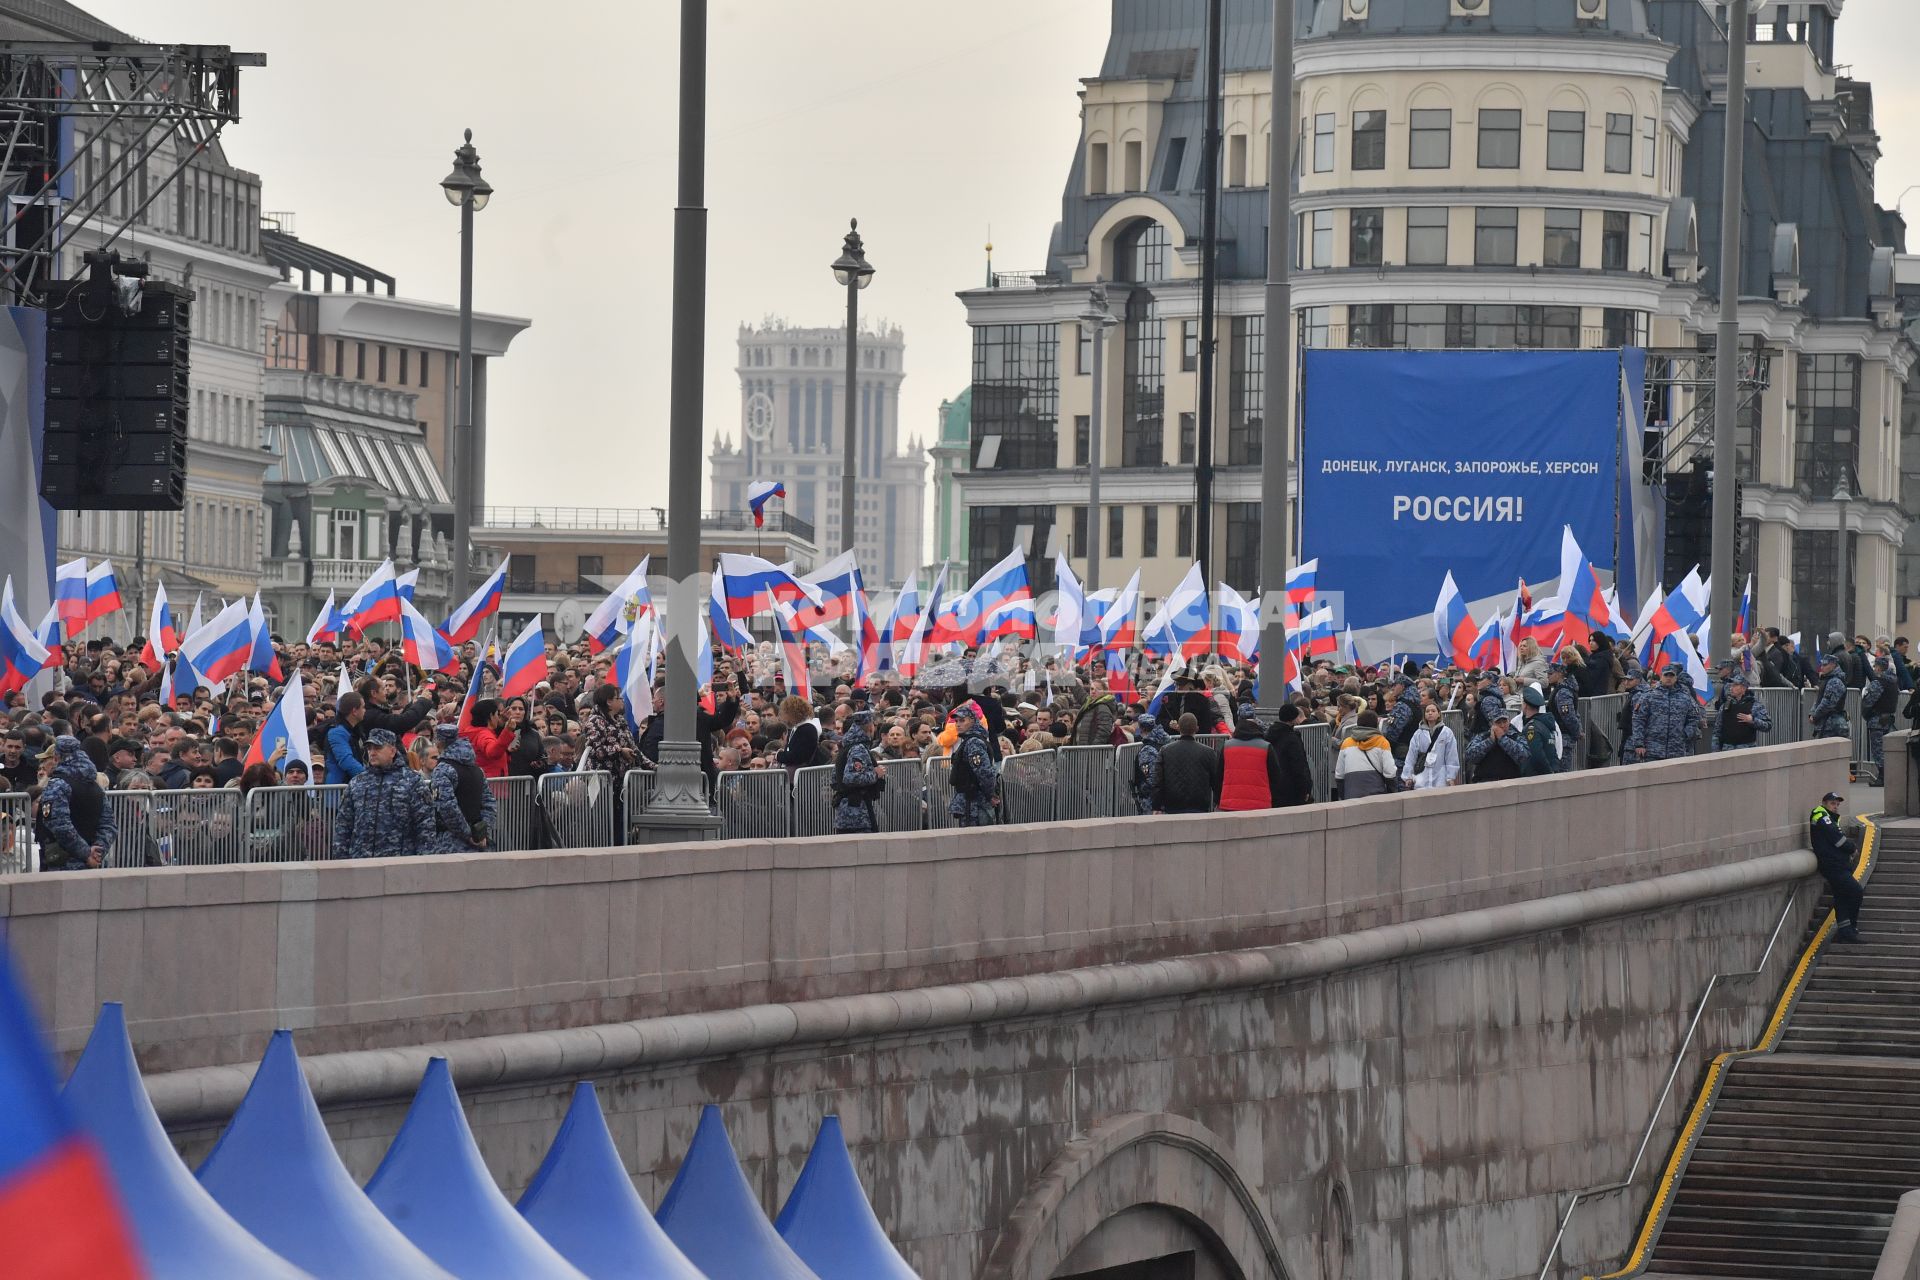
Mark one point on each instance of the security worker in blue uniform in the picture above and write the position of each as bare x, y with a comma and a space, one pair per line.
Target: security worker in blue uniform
1835, 854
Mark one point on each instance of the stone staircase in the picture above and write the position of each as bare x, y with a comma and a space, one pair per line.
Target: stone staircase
1800, 1163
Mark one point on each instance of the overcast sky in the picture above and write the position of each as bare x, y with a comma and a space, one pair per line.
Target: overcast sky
929, 122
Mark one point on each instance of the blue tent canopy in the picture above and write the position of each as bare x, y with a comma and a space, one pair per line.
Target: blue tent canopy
828, 1221
434, 1186
711, 1213
276, 1172
584, 1203
180, 1230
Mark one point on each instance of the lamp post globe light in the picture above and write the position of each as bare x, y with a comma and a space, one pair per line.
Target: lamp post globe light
853, 270
1095, 321
465, 188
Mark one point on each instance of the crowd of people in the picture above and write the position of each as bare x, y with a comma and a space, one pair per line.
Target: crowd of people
417, 752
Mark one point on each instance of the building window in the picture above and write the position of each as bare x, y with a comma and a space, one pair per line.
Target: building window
1143, 383
1170, 170
1096, 168
1364, 237
991, 531
1237, 160
1083, 348
1132, 153
1316, 326
1613, 241
404, 353
1642, 260
1431, 142
1318, 239
1079, 533
1817, 607
1619, 158
425, 365
381, 363
1149, 532
1323, 142
339, 357
1183, 532
1433, 326
1652, 129
1499, 138
1016, 397
1563, 239
1243, 544
1496, 237
520, 574
1246, 390
1082, 439
1189, 345
360, 361
1826, 444
1621, 327
1116, 532
1566, 139
1427, 237
1369, 140
1189, 437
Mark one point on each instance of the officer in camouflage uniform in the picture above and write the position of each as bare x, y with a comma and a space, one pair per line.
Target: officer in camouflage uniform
387, 811
976, 778
858, 778
465, 812
1877, 703
1829, 718
1666, 719
1563, 701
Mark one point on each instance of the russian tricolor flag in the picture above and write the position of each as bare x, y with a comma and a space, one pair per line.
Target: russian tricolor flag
22, 656
1238, 638
49, 635
1584, 600
837, 581
793, 649
377, 600
1000, 603
1120, 621
161, 639
103, 592
221, 649
70, 594
326, 628
262, 660
1485, 655
1300, 581
759, 494
60, 1215
753, 585
915, 645
633, 675
615, 616
1070, 622
464, 623
285, 725
1743, 620
1181, 627
525, 663
1453, 629
423, 646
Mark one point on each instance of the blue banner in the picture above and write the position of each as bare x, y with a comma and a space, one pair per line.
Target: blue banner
1417, 463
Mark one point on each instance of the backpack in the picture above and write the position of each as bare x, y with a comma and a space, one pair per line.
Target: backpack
1599, 748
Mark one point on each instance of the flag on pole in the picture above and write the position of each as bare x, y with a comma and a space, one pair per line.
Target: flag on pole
405, 583
761, 492
487, 656
1300, 589
70, 594
1119, 621
103, 592
262, 659
194, 621
422, 645
1069, 617
22, 656
632, 674
793, 649
753, 585
1743, 620
49, 635
326, 628
525, 662
1453, 629
377, 600
285, 725
615, 616
1180, 628
464, 623
1238, 636
220, 649
733, 636
911, 654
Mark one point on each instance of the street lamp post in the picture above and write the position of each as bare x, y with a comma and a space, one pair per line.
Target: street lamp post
853, 270
1276, 517
467, 189
1096, 319
1842, 498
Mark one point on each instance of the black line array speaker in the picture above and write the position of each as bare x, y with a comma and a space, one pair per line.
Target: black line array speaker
1690, 525
117, 396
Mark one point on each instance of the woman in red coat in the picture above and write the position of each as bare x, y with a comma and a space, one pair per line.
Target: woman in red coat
490, 729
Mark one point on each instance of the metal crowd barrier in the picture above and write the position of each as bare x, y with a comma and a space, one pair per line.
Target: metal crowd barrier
903, 805
17, 853
1085, 783
578, 808
1784, 709
1124, 802
289, 824
1027, 785
939, 792
190, 828
516, 824
636, 789
1600, 738
1317, 739
758, 804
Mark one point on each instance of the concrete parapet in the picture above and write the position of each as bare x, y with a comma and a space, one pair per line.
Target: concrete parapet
371, 955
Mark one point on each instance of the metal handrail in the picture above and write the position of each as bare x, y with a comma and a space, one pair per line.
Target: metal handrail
1666, 1090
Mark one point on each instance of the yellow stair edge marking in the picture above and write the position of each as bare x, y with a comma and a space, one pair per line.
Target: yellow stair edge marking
1716, 1071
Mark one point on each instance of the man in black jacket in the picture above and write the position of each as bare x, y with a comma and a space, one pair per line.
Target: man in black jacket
706, 725
1296, 778
1834, 855
378, 698
1189, 772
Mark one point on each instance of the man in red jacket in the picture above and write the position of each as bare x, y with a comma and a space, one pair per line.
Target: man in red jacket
1250, 774
491, 730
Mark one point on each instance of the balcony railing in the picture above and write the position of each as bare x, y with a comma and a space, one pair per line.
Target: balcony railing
633, 520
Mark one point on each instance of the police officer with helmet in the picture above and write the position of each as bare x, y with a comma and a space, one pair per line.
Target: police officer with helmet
1835, 855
